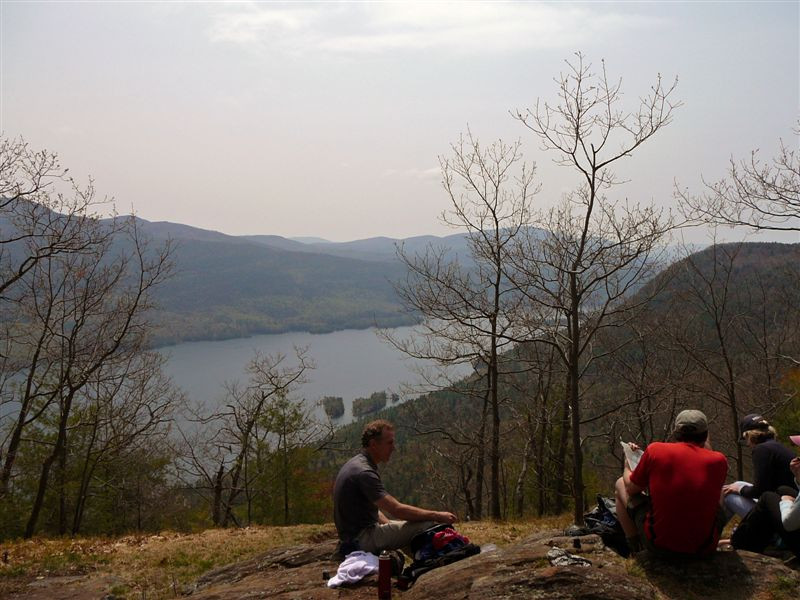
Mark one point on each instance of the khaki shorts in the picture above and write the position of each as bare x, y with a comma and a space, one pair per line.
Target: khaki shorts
638, 506
394, 535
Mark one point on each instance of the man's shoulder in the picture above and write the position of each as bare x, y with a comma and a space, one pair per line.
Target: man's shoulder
659, 449
715, 456
686, 450
773, 447
358, 464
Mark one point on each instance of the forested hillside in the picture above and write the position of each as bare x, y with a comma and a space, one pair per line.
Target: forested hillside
233, 286
722, 334
225, 286
717, 337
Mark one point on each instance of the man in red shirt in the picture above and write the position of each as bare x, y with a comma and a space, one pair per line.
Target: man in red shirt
670, 503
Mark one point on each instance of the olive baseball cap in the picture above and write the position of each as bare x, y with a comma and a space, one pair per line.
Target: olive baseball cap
691, 421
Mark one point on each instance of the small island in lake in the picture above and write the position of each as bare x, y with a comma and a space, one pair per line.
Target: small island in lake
366, 406
334, 406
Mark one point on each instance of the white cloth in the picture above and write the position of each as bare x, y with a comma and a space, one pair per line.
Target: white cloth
354, 567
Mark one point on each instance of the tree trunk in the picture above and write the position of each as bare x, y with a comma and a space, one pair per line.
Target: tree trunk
737, 436
466, 477
138, 503
734, 413
80, 501
86, 477
495, 450
573, 392
285, 477
561, 460
62, 492
519, 488
25, 405
216, 506
248, 492
60, 446
543, 480
30, 528
481, 459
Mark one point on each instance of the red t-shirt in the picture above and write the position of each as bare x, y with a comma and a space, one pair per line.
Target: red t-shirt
684, 481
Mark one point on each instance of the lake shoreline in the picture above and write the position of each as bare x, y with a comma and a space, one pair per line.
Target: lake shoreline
350, 363
160, 345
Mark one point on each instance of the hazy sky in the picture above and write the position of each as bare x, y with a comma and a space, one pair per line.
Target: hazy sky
326, 119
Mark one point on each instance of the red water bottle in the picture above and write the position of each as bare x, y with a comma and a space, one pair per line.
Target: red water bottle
384, 576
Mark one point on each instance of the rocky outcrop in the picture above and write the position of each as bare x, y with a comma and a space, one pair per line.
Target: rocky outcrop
295, 572
523, 570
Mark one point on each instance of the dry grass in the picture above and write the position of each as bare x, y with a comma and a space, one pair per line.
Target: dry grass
161, 565
504, 533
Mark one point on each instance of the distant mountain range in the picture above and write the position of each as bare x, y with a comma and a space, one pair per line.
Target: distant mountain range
228, 286
232, 286
373, 249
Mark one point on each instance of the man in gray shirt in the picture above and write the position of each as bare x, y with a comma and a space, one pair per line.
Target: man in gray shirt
360, 501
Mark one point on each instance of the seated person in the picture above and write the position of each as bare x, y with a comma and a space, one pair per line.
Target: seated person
680, 515
770, 467
360, 501
775, 513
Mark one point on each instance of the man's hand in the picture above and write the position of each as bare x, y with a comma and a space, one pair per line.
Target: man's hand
731, 488
446, 517
635, 447
794, 465
398, 510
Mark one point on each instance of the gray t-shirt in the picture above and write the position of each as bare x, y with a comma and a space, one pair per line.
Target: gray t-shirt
358, 486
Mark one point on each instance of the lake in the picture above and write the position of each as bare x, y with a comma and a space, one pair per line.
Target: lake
350, 363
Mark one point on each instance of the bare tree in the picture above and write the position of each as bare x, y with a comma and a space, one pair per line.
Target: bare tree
467, 303
92, 307
647, 374
293, 429
75, 292
596, 251
535, 413
124, 411
43, 212
737, 331
761, 195
203, 459
216, 459
44, 216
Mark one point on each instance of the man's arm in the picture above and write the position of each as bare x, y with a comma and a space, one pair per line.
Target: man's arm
630, 487
390, 504
761, 470
790, 507
790, 513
